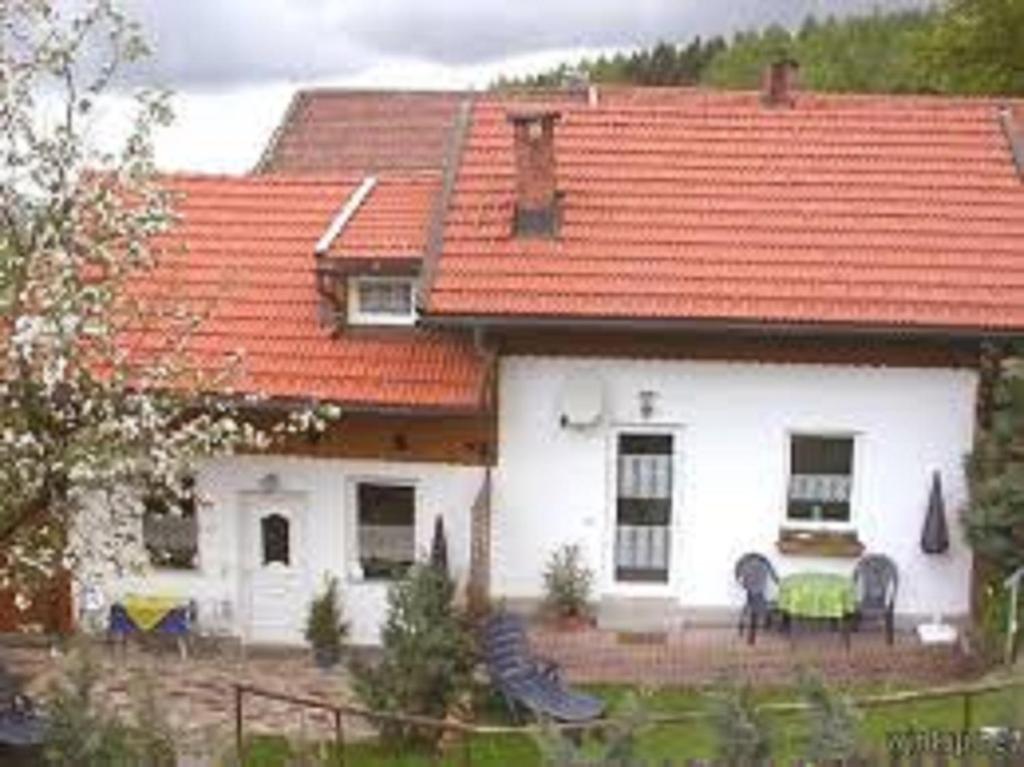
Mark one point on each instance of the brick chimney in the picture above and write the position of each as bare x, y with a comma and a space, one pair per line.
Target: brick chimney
778, 87
536, 191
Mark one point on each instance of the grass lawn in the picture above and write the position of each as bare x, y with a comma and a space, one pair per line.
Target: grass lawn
692, 740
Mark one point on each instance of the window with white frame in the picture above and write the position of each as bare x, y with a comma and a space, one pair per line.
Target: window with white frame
820, 479
170, 528
386, 529
381, 301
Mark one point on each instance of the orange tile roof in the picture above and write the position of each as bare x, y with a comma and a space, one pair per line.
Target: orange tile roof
331, 130
695, 205
243, 254
363, 131
393, 222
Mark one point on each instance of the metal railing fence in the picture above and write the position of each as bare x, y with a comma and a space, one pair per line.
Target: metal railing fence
463, 754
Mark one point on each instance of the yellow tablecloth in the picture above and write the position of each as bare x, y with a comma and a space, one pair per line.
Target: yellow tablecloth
148, 611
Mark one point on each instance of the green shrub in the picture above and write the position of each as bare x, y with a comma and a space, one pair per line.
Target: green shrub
990, 630
428, 655
325, 626
994, 517
741, 734
622, 736
833, 721
81, 732
567, 583
151, 736
618, 740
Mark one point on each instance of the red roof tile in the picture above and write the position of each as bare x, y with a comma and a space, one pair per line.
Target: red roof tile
329, 130
243, 254
683, 204
394, 219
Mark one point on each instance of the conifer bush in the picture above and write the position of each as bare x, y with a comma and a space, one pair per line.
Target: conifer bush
833, 722
326, 628
741, 733
428, 655
994, 518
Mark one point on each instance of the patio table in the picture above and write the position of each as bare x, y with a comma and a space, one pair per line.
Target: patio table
160, 614
818, 596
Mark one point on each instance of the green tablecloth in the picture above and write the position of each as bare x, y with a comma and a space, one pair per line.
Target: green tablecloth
816, 595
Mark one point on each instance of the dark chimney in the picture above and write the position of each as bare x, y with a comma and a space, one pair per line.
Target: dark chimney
779, 86
536, 193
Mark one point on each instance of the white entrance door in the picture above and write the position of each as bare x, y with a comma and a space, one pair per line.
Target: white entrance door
643, 506
274, 580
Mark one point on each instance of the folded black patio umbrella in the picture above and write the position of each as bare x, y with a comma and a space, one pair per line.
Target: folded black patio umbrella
935, 536
439, 547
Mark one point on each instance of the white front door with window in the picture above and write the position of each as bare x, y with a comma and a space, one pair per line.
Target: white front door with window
643, 507
274, 580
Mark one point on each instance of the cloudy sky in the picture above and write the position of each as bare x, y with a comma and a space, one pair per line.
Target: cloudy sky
235, 63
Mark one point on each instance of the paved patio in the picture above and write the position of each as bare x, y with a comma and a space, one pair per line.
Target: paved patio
698, 655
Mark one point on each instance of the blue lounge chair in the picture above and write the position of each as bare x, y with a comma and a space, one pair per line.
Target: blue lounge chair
527, 682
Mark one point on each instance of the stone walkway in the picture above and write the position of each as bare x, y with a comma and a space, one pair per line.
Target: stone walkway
698, 656
198, 694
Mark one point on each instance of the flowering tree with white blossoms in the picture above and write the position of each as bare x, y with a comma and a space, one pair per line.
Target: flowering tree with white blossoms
101, 402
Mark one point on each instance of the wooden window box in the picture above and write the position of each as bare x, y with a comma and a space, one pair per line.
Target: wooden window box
820, 543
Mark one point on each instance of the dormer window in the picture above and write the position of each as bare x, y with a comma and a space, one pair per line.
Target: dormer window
381, 301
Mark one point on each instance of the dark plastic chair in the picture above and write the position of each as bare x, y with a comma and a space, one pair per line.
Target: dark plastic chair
528, 682
876, 580
756, 575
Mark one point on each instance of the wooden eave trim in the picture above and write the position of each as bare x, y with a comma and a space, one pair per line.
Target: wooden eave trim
767, 349
720, 326
346, 266
286, 404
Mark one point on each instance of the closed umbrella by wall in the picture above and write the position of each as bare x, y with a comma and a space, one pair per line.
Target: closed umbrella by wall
439, 547
935, 536
935, 540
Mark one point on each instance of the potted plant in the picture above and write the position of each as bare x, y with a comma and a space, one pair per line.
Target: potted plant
325, 626
567, 582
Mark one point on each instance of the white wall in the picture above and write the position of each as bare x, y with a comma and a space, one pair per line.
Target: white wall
326, 545
732, 420
552, 485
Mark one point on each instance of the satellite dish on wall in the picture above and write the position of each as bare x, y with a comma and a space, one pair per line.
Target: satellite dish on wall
581, 401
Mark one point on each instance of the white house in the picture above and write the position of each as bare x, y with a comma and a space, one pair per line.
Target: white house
717, 456
671, 326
